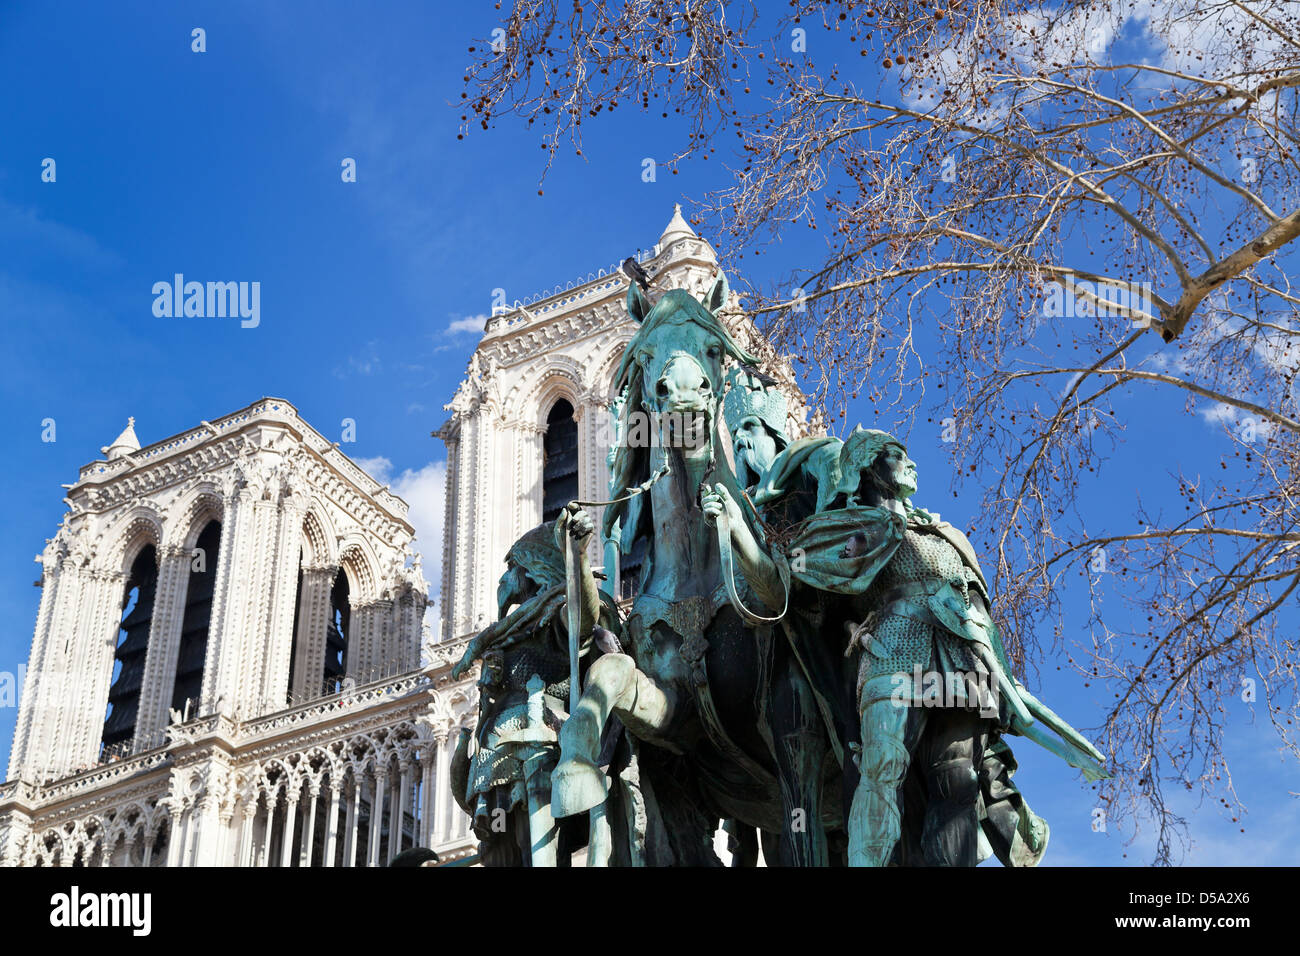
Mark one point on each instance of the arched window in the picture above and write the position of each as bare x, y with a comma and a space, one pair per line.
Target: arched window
336, 635
293, 646
334, 666
195, 622
560, 464
132, 642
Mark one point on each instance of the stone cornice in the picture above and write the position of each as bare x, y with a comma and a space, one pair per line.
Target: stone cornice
409, 698
584, 310
103, 485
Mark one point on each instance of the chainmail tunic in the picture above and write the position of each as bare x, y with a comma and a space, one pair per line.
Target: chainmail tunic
922, 557
504, 702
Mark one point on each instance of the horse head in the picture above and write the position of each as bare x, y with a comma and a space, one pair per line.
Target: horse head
671, 374
673, 367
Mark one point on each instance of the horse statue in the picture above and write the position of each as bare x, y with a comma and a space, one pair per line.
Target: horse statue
729, 724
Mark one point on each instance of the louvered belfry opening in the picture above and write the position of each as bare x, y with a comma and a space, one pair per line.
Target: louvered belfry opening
196, 620
336, 637
132, 643
560, 464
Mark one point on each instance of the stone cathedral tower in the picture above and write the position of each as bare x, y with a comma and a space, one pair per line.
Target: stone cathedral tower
226, 663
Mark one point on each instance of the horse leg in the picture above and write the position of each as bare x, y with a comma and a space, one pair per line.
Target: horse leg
742, 842
615, 686
801, 747
543, 834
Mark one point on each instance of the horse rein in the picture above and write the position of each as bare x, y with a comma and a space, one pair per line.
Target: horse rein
724, 549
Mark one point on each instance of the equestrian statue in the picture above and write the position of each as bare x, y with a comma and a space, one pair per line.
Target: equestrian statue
810, 660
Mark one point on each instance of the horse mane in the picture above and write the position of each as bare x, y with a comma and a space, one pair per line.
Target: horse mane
693, 310
631, 468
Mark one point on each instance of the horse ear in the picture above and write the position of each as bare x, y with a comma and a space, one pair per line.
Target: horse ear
716, 297
638, 306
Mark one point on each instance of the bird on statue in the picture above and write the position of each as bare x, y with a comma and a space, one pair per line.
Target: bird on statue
633, 270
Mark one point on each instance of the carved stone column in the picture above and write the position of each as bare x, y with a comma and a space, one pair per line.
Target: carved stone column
290, 818
174, 565
404, 793
220, 669
91, 666
332, 822
309, 826
271, 799
260, 609
27, 732
426, 795
450, 434
15, 833
377, 815
441, 789
354, 813
174, 838
284, 581
249, 817
313, 624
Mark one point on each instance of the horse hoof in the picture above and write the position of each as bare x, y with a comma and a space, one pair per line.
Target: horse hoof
576, 787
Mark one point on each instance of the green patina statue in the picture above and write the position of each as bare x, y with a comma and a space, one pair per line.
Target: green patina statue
934, 691
809, 658
524, 688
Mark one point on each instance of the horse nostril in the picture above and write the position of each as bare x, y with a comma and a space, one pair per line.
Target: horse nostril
662, 389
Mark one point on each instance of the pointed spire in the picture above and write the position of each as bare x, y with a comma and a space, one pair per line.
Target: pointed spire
124, 444
678, 228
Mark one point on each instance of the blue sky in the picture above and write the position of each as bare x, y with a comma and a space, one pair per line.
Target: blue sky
225, 165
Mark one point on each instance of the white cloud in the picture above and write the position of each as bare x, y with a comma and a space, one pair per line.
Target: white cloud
424, 490
466, 324
377, 468
366, 361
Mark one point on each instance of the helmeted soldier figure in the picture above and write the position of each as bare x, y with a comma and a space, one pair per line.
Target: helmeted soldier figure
934, 690
934, 685
755, 415
527, 645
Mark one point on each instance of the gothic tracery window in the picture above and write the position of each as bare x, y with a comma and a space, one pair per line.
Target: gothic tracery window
560, 461
336, 634
132, 643
196, 620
